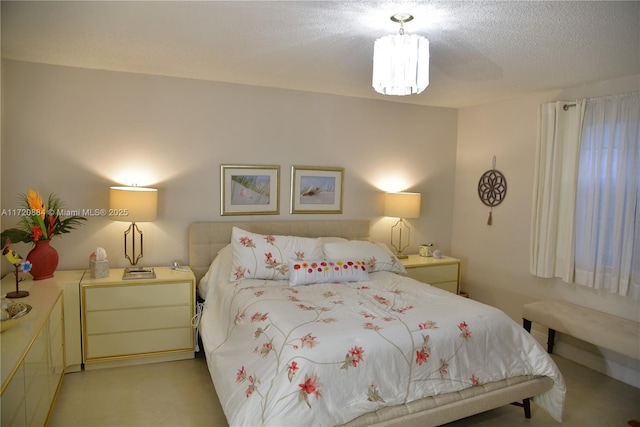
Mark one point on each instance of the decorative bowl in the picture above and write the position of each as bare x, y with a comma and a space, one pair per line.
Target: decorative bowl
12, 321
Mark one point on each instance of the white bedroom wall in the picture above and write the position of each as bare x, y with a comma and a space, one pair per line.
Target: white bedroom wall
76, 132
495, 259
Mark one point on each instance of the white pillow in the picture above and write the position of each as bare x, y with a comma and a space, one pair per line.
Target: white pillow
326, 271
324, 240
377, 256
258, 256
223, 258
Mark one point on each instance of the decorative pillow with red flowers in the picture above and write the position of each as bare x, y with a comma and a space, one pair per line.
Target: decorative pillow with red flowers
326, 271
376, 255
258, 256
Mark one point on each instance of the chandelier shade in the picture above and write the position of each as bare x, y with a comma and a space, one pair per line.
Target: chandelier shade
400, 64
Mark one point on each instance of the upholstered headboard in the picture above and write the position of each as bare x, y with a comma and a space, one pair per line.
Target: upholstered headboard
207, 238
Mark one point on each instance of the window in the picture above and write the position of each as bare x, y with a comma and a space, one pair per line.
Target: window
586, 220
607, 217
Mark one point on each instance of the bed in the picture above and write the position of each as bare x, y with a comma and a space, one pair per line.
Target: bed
371, 348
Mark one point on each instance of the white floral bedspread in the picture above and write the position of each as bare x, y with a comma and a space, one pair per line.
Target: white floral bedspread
324, 354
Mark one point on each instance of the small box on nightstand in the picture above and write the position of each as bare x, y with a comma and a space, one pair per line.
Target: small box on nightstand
99, 269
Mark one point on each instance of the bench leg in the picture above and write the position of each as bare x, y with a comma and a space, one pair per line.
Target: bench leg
526, 324
526, 405
550, 340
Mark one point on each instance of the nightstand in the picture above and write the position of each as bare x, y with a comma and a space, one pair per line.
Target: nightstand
135, 321
443, 273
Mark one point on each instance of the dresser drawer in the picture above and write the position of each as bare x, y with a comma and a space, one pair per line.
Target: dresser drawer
138, 343
110, 321
134, 296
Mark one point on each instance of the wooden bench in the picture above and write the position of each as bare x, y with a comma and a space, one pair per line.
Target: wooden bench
600, 329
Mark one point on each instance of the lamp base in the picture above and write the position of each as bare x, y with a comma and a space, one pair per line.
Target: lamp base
400, 247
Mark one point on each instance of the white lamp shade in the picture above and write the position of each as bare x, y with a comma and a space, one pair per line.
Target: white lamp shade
402, 205
400, 64
133, 204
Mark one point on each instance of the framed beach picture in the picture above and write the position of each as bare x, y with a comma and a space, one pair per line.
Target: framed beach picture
316, 189
249, 190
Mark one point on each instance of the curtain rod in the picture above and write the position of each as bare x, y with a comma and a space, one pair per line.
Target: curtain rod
566, 107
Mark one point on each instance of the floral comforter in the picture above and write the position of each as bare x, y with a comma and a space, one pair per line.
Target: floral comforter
327, 353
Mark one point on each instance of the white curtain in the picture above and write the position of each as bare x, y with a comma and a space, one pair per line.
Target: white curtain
555, 176
608, 200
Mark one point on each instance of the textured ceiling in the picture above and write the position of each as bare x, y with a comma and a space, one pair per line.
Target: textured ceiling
481, 51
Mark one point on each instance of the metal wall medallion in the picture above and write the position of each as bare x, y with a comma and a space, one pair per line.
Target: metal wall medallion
492, 188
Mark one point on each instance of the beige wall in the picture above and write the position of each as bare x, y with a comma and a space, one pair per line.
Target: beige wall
76, 132
495, 259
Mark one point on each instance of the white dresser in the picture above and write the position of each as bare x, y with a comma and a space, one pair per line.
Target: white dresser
32, 357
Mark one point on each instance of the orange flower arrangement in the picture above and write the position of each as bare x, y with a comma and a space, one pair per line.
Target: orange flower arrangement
40, 221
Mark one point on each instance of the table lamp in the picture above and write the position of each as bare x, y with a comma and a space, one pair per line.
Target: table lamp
401, 205
133, 204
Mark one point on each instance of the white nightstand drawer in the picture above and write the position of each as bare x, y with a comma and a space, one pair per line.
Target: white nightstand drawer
448, 286
138, 343
442, 272
134, 295
141, 319
435, 274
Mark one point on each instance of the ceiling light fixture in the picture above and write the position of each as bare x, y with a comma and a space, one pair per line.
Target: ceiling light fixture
401, 62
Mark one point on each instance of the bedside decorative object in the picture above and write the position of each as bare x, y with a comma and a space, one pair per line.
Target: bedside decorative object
401, 205
138, 273
20, 265
13, 310
492, 188
38, 224
98, 264
44, 259
437, 254
426, 249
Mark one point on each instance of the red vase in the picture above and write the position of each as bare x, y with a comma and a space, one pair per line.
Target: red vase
44, 260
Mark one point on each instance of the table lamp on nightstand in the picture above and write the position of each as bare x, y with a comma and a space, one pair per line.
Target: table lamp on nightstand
133, 204
401, 205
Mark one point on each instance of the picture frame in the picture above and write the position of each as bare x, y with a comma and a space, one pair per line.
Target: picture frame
249, 190
316, 190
